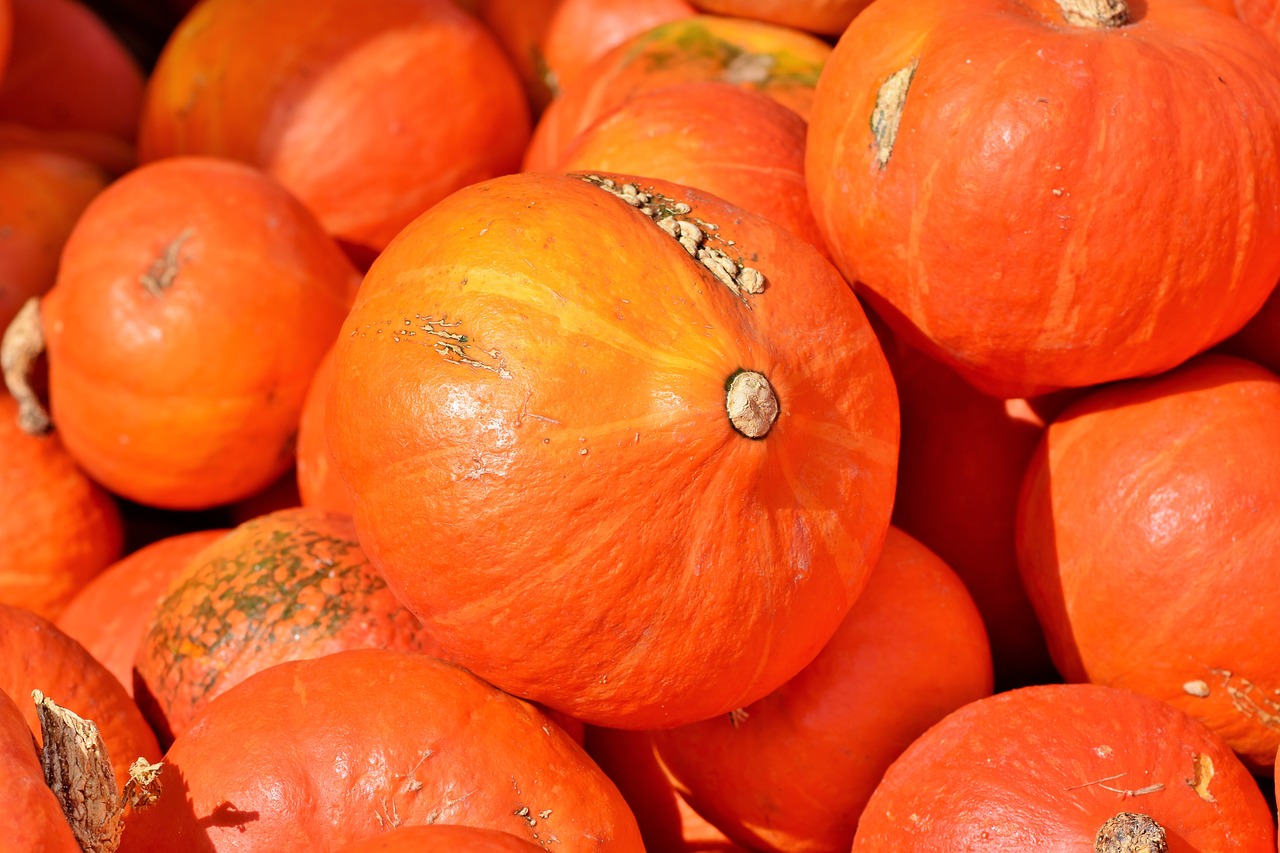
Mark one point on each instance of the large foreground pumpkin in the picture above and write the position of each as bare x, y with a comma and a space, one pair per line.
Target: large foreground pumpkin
608, 479
986, 171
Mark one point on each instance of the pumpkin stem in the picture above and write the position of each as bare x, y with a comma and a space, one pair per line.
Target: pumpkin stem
21, 346
1095, 14
751, 403
1129, 832
77, 770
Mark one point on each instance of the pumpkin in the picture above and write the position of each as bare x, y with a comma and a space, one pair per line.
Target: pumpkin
319, 485
288, 585
678, 134
38, 656
794, 770
6, 34
828, 17
175, 261
1262, 15
1145, 516
373, 113
1022, 133
1259, 340
370, 740
282, 494
521, 28
581, 31
1067, 766
32, 819
109, 614
776, 61
58, 528
670, 481
442, 838
42, 193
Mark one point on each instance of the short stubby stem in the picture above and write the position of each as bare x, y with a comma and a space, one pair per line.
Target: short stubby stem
751, 403
1131, 832
1095, 14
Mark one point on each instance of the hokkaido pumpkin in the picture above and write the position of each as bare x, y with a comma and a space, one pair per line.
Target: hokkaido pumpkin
367, 112
828, 17
581, 31
289, 585
1164, 495
1067, 767
38, 656
32, 818
794, 770
319, 485
315, 754
668, 474
109, 615
985, 171
442, 838
58, 528
194, 300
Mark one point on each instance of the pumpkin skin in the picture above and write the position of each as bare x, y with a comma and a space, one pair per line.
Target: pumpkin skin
678, 134
376, 111
579, 443
828, 17
581, 31
1261, 15
1259, 340
796, 771
319, 484
58, 528
776, 61
109, 615
418, 741
988, 156
442, 838
176, 260
1166, 492
32, 819
39, 656
1045, 766
42, 193
285, 586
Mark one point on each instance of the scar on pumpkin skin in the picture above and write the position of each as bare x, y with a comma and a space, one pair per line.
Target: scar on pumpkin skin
886, 116
1202, 775
160, 276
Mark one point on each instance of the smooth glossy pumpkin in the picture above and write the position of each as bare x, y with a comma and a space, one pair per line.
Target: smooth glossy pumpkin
285, 586
109, 615
38, 656
553, 418
32, 819
195, 299
1145, 519
581, 31
679, 134
320, 753
986, 173
58, 528
1048, 766
319, 484
442, 838
374, 112
828, 17
776, 61
794, 770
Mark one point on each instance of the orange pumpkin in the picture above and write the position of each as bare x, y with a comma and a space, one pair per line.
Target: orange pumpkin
38, 656
32, 819
319, 485
1144, 518
828, 17
57, 527
521, 28
985, 172
442, 838
373, 113
176, 261
370, 740
552, 417
285, 586
109, 615
581, 31
1262, 15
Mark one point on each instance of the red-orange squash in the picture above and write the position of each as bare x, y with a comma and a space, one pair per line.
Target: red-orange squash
32, 820
319, 485
985, 171
1146, 519
58, 528
38, 656
6, 34
195, 298
1050, 767
109, 614
289, 585
442, 838
794, 770
553, 418
368, 112
581, 31
828, 17
311, 755
1262, 15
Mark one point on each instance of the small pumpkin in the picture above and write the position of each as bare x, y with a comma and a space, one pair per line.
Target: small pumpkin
32, 819
287, 585
370, 740
552, 416
442, 838
581, 31
1067, 767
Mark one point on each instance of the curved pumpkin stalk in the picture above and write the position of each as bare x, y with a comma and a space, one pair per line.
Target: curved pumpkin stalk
22, 344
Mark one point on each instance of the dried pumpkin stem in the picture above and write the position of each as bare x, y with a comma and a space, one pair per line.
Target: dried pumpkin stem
1130, 832
21, 346
1095, 14
751, 403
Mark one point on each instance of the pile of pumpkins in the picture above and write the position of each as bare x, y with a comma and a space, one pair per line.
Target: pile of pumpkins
624, 425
